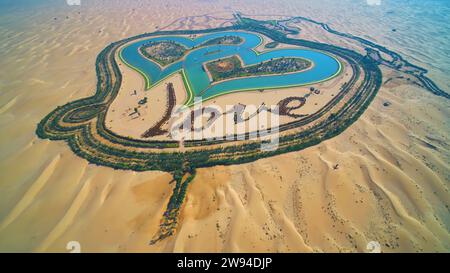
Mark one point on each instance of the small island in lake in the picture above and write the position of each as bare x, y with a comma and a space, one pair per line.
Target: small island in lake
232, 67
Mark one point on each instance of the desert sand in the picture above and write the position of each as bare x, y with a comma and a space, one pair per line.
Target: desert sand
385, 179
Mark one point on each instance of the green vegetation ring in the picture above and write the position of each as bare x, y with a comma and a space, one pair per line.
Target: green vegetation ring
81, 123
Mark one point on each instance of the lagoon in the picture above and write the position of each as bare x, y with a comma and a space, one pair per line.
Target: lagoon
197, 81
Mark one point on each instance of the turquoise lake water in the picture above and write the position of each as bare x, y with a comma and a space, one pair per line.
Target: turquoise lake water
324, 67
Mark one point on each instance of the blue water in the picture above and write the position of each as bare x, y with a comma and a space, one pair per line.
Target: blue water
324, 66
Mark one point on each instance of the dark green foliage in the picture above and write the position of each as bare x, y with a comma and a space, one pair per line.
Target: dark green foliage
223, 40
271, 45
163, 52
236, 70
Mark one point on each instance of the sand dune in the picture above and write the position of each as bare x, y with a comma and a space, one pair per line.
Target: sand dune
385, 179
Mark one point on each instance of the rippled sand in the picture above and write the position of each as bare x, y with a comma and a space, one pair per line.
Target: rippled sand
385, 179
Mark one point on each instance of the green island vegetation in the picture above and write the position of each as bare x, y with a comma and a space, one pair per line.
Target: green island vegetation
81, 123
163, 52
231, 67
271, 45
168, 52
223, 40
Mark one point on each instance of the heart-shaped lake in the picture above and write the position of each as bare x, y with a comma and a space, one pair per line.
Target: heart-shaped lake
159, 57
